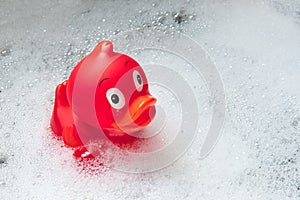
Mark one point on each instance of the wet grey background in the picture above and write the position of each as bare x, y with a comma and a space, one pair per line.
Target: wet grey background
256, 48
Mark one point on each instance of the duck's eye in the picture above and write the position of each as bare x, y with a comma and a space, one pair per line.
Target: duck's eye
115, 97
138, 81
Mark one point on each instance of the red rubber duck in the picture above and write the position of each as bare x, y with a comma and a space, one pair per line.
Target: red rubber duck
105, 97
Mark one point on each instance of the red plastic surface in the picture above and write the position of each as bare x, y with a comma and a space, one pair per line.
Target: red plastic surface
91, 82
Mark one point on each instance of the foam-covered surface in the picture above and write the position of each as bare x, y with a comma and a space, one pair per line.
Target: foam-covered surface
255, 45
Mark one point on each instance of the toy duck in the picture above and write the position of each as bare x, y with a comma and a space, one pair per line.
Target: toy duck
107, 92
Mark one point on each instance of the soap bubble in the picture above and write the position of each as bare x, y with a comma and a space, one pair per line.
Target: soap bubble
177, 122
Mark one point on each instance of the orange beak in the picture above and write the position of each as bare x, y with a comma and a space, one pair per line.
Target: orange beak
140, 110
141, 113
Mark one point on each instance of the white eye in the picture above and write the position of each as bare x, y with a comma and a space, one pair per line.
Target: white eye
138, 81
115, 97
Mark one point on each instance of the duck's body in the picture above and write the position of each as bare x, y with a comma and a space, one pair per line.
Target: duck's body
106, 97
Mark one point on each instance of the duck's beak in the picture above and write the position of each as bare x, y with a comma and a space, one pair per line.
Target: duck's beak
141, 112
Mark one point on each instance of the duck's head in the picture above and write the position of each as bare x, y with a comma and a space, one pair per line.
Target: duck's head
121, 95
123, 98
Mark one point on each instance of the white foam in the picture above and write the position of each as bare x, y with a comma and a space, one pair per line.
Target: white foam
256, 49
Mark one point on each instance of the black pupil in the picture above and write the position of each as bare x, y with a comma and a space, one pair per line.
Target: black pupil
115, 98
139, 79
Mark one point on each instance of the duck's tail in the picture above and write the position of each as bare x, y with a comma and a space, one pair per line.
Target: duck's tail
62, 113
